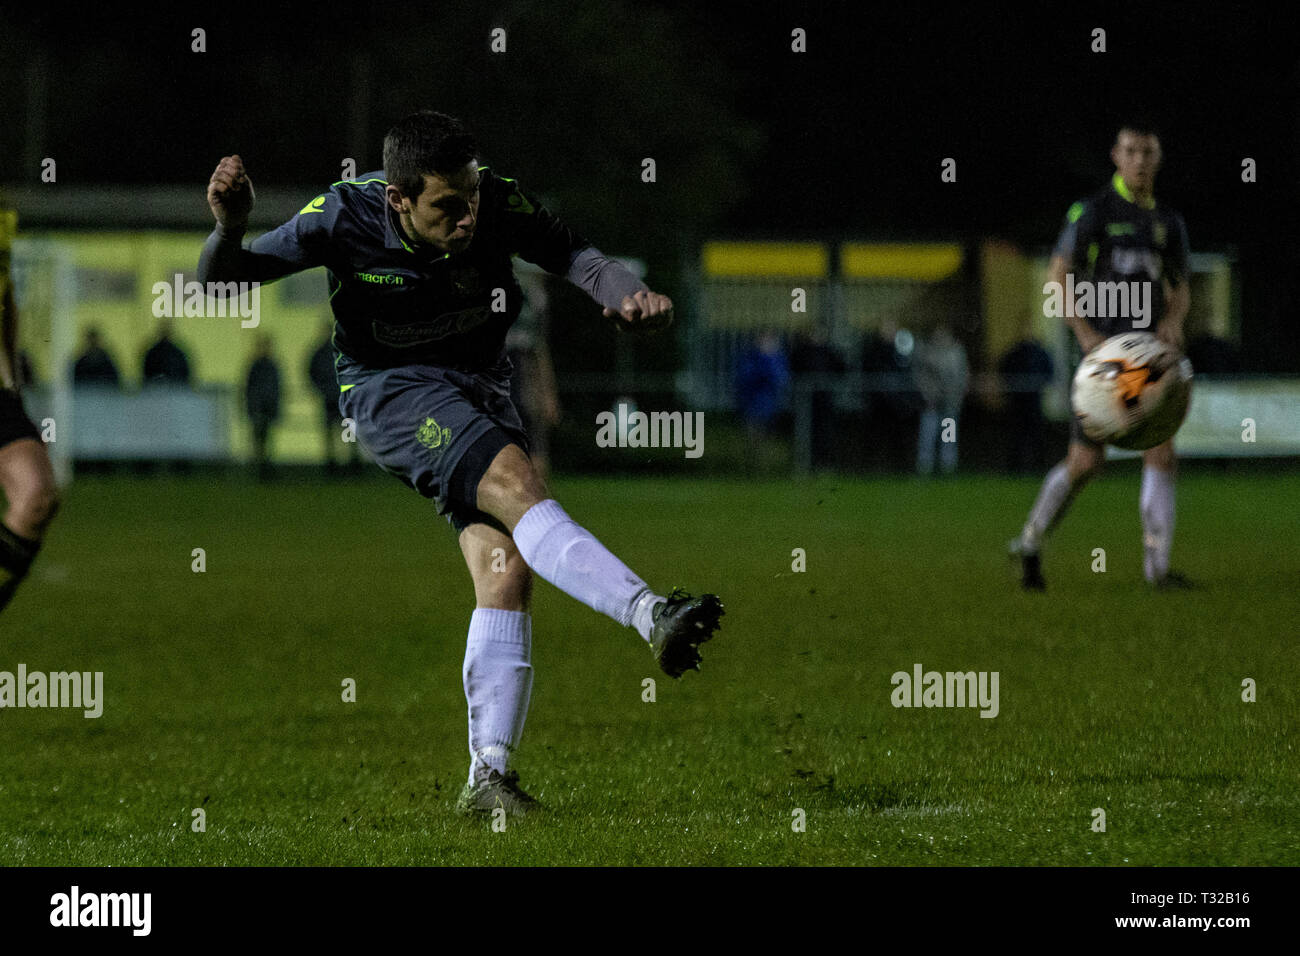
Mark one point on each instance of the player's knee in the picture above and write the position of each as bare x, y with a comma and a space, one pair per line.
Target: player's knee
518, 478
35, 504
1162, 457
511, 478
1084, 466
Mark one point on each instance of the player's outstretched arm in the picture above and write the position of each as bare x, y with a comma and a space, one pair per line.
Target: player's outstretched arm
621, 295
292, 247
543, 239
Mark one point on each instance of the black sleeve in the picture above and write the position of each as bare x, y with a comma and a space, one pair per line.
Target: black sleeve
530, 230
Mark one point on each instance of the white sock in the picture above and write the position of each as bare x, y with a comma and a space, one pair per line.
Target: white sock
498, 680
564, 553
1053, 498
1156, 504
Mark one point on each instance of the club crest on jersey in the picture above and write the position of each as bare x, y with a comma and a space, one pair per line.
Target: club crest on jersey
432, 436
519, 203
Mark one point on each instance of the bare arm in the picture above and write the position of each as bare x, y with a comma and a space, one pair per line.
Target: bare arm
1179, 299
1087, 337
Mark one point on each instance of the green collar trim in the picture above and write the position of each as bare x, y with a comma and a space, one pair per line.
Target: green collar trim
1121, 187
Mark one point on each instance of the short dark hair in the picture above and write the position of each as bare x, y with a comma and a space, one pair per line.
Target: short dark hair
426, 142
1141, 125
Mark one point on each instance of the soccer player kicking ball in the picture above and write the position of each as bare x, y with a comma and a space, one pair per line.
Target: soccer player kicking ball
1119, 235
419, 267
26, 476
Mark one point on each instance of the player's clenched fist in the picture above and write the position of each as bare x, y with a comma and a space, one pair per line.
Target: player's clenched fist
643, 312
230, 193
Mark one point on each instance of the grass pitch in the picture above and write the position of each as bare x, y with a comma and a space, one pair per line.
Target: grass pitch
224, 688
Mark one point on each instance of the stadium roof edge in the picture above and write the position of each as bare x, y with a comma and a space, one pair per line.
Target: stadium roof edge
55, 205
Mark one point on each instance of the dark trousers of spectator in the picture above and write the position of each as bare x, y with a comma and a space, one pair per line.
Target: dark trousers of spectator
1026, 452
333, 435
261, 447
823, 429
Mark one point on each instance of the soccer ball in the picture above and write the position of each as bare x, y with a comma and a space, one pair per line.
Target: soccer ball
1132, 391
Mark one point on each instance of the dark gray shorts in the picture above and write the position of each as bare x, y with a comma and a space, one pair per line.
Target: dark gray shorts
437, 429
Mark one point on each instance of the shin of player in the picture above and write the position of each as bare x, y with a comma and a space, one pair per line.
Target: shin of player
498, 672
543, 539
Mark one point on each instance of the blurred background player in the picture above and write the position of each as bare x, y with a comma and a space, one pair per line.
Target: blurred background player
320, 372
1119, 235
26, 476
532, 385
415, 255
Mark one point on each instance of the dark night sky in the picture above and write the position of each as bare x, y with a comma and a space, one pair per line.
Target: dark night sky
751, 139
854, 128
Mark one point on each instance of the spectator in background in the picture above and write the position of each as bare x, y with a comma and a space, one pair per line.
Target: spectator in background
94, 366
262, 403
164, 362
532, 386
812, 354
1211, 355
889, 396
26, 369
165, 365
1026, 371
941, 375
321, 374
762, 376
